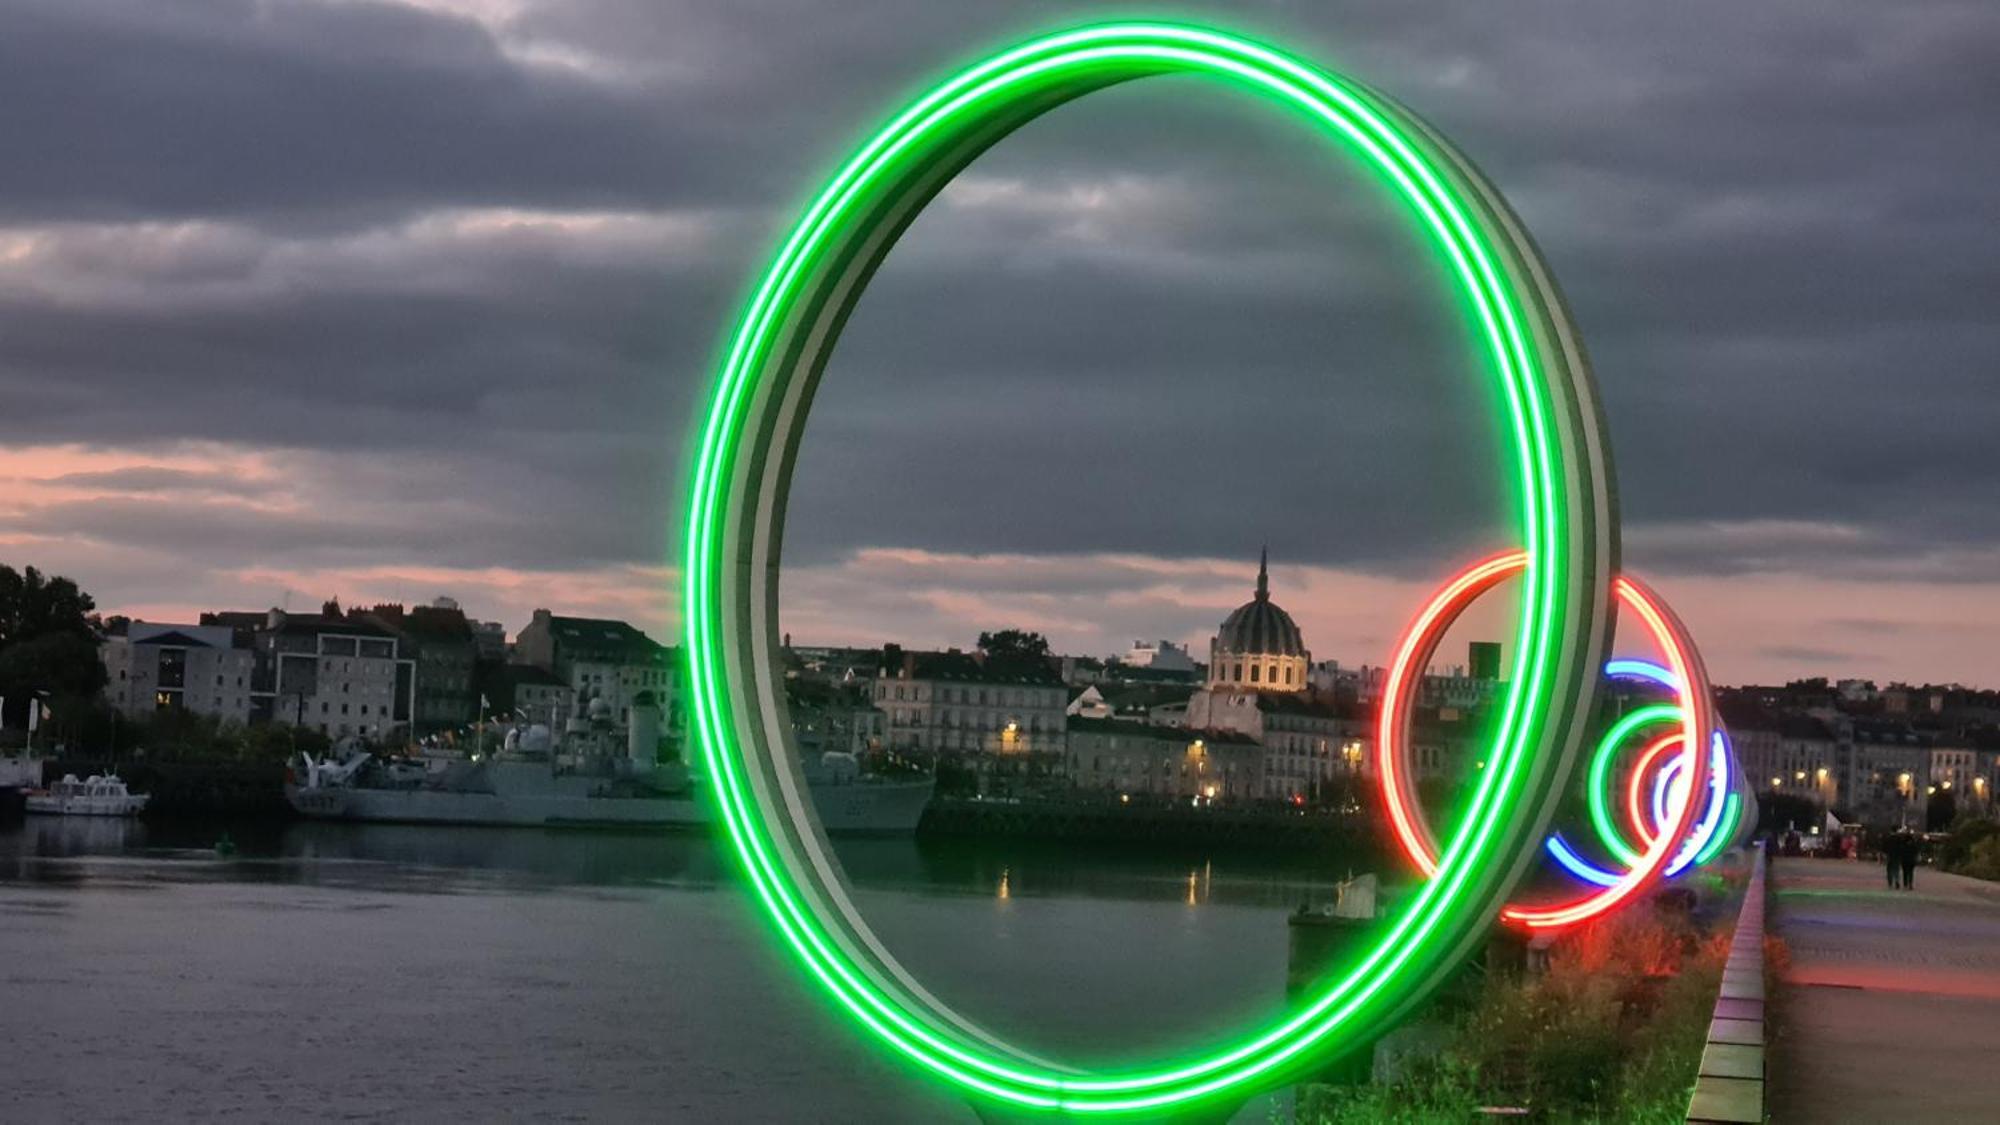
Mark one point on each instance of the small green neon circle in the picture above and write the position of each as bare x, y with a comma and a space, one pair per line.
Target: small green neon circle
1565, 504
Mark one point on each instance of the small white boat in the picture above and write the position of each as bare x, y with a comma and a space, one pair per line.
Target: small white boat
97, 795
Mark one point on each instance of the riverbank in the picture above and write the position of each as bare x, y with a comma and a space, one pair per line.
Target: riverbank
1611, 1030
200, 791
1097, 821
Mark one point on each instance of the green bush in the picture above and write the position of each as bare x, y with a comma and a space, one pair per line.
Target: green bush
1983, 861
1612, 1031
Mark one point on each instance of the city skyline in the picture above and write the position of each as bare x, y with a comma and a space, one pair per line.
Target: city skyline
447, 338
1225, 577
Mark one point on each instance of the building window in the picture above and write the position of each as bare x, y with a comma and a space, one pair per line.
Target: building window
1253, 673
1239, 673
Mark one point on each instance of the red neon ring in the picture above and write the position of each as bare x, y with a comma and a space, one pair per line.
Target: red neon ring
1392, 750
1635, 795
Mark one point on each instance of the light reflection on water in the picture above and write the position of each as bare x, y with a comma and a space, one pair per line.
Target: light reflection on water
383, 969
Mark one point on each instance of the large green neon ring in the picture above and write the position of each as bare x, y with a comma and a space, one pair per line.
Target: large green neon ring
1565, 505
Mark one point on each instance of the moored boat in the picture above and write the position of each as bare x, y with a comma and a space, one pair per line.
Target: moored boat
96, 795
529, 791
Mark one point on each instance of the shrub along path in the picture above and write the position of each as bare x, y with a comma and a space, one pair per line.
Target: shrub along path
1891, 1008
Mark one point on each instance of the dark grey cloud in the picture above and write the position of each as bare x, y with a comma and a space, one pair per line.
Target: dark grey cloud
155, 480
1811, 655
502, 241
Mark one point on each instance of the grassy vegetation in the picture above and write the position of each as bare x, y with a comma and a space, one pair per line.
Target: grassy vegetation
1971, 848
1613, 1031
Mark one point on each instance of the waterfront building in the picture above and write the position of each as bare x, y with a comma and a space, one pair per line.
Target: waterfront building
337, 673
1857, 691
1161, 656
1458, 688
1260, 688
603, 659
154, 666
1363, 684
961, 703
1957, 770
1090, 704
836, 664
489, 640
1143, 761
1162, 702
445, 647
831, 717
1258, 647
1890, 770
1795, 754
1310, 741
527, 693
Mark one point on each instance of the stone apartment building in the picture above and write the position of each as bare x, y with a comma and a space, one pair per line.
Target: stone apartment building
1141, 760
441, 642
339, 674
154, 666
960, 703
602, 658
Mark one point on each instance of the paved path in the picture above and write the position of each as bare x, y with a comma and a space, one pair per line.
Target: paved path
1891, 1009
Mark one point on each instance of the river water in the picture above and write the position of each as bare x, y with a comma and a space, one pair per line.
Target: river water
389, 972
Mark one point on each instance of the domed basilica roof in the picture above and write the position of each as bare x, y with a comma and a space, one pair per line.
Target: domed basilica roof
1259, 626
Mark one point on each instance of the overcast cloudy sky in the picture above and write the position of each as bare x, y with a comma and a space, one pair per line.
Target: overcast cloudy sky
305, 298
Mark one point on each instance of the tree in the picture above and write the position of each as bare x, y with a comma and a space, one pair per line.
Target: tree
33, 605
1782, 812
59, 664
1013, 645
1940, 811
48, 642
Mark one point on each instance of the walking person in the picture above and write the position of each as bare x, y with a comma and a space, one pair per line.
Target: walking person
1911, 846
1892, 858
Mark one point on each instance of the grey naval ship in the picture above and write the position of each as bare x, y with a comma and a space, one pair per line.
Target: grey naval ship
532, 781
